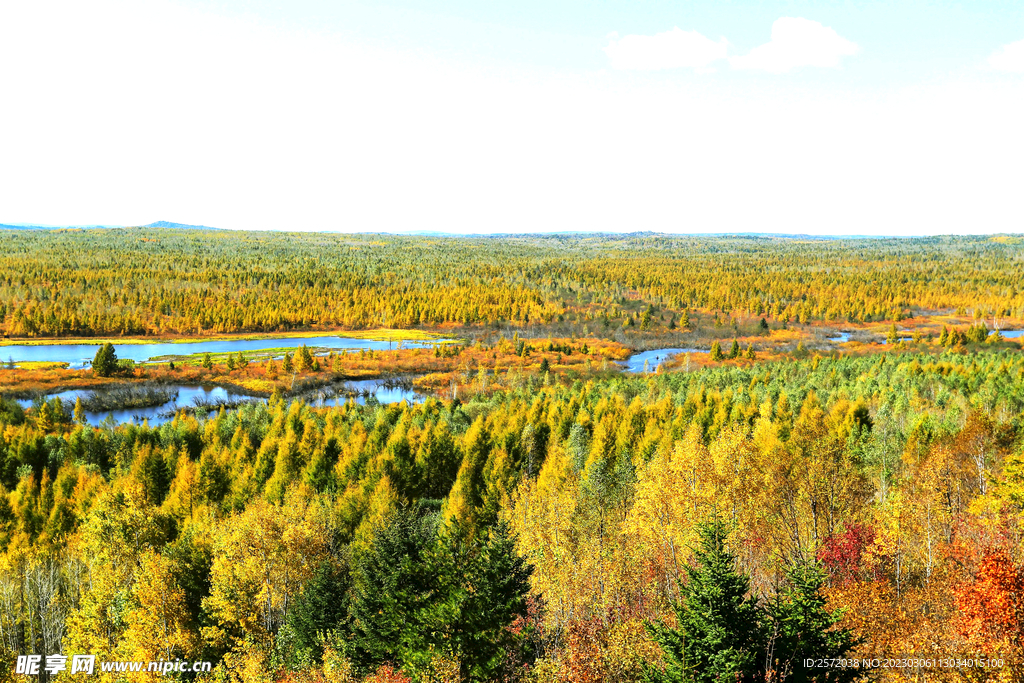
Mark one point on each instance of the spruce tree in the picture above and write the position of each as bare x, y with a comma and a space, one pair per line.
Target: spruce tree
721, 631
716, 351
805, 629
492, 595
104, 363
734, 350
394, 593
322, 606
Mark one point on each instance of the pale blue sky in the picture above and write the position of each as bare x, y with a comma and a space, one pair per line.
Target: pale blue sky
902, 41
818, 117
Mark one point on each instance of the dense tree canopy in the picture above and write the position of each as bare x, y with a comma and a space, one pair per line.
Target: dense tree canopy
153, 281
534, 532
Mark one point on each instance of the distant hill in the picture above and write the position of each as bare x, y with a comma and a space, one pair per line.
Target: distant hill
185, 226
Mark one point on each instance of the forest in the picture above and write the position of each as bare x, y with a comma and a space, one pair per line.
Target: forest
760, 512
542, 533
145, 281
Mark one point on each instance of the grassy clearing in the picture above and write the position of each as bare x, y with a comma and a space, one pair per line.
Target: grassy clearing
39, 365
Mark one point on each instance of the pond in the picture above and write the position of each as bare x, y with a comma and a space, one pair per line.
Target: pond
81, 355
384, 391
1011, 334
654, 358
839, 338
183, 397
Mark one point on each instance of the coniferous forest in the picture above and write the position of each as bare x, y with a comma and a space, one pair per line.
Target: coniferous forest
758, 512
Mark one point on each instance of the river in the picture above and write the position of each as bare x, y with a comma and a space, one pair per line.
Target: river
81, 355
198, 397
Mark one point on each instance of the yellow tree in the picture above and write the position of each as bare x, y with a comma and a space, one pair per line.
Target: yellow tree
158, 625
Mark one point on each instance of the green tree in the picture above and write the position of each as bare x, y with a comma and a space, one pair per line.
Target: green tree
154, 476
287, 365
716, 351
645, 318
303, 359
207, 361
763, 326
804, 629
893, 335
734, 350
721, 631
321, 607
750, 352
104, 363
492, 594
394, 593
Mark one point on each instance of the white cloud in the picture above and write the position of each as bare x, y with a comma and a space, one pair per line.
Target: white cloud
673, 49
797, 42
1010, 58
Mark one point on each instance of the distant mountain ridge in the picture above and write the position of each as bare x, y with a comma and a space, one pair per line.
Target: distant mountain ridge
158, 224
28, 226
182, 226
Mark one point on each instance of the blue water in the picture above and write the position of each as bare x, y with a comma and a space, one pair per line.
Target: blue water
81, 355
382, 390
189, 395
654, 358
156, 415
1012, 334
839, 338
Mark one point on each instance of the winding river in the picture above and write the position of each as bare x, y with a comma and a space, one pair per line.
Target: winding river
81, 355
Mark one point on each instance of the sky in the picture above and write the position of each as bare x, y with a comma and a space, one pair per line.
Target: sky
829, 118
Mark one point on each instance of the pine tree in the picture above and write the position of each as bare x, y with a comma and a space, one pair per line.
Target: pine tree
79, 413
944, 336
763, 326
684, 320
304, 358
207, 361
287, 364
734, 350
394, 593
721, 632
321, 607
716, 351
154, 476
893, 336
750, 352
104, 363
804, 629
231, 362
498, 580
